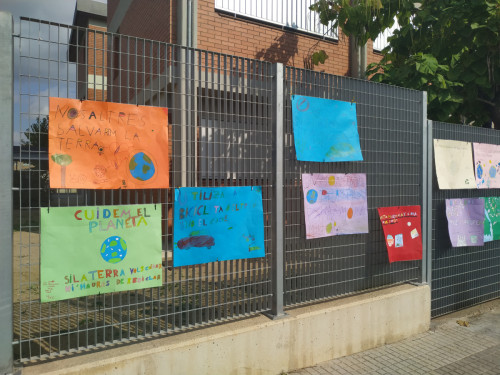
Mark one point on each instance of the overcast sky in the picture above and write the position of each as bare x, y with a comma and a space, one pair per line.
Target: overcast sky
60, 11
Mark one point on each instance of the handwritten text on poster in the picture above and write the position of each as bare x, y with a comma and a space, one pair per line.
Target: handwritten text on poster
92, 250
101, 145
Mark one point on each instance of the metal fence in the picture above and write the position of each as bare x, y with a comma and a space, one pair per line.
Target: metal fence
230, 124
391, 130
461, 276
221, 130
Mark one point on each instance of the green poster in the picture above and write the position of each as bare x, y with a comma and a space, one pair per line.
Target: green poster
491, 219
102, 249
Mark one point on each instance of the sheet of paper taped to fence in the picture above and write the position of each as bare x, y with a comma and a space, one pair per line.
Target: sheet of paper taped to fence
102, 145
402, 232
89, 250
491, 218
325, 130
454, 164
218, 223
334, 204
487, 165
465, 221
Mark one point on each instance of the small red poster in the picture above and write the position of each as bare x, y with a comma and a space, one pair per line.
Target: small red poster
402, 232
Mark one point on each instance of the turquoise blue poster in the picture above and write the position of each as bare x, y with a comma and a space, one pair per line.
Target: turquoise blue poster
325, 130
218, 223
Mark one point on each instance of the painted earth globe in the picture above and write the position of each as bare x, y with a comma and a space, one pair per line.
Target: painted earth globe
312, 196
113, 249
141, 167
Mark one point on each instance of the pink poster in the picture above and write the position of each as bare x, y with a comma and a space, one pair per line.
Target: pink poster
334, 204
487, 165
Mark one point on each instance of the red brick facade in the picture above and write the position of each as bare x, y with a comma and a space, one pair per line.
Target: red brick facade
224, 33
149, 19
97, 63
372, 56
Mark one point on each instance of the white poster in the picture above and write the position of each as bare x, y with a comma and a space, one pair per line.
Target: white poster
454, 164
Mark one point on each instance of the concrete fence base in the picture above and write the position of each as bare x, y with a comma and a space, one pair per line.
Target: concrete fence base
309, 335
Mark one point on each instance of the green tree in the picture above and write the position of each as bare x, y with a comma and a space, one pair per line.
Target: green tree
449, 48
363, 19
37, 134
34, 170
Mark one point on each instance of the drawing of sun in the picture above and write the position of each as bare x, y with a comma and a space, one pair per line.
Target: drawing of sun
114, 249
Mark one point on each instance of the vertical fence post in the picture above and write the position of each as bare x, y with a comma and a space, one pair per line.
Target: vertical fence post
6, 121
428, 237
426, 193
277, 197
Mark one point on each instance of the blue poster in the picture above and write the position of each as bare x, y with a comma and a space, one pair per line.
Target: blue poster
325, 130
218, 223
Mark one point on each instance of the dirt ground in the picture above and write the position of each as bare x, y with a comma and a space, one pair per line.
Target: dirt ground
26, 266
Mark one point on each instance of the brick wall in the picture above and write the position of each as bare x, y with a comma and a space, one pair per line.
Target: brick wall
223, 33
97, 62
372, 56
219, 32
141, 61
150, 19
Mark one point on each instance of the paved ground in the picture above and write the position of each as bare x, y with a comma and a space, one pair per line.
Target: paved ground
447, 348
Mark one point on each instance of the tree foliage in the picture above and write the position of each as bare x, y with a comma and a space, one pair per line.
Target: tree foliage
449, 48
363, 19
37, 134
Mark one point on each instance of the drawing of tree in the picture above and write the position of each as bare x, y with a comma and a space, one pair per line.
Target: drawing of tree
63, 160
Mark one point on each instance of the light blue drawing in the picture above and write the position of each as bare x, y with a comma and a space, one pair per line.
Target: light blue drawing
114, 249
399, 240
312, 196
141, 167
325, 130
220, 223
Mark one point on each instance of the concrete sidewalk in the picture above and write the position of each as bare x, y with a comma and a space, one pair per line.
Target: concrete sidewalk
447, 348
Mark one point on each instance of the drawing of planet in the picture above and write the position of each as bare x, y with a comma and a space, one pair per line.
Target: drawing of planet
479, 171
493, 172
141, 167
312, 196
113, 249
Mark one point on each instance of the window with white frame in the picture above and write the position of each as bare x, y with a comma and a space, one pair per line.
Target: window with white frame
294, 14
381, 42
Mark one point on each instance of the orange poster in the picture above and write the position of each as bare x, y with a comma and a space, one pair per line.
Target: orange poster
100, 145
